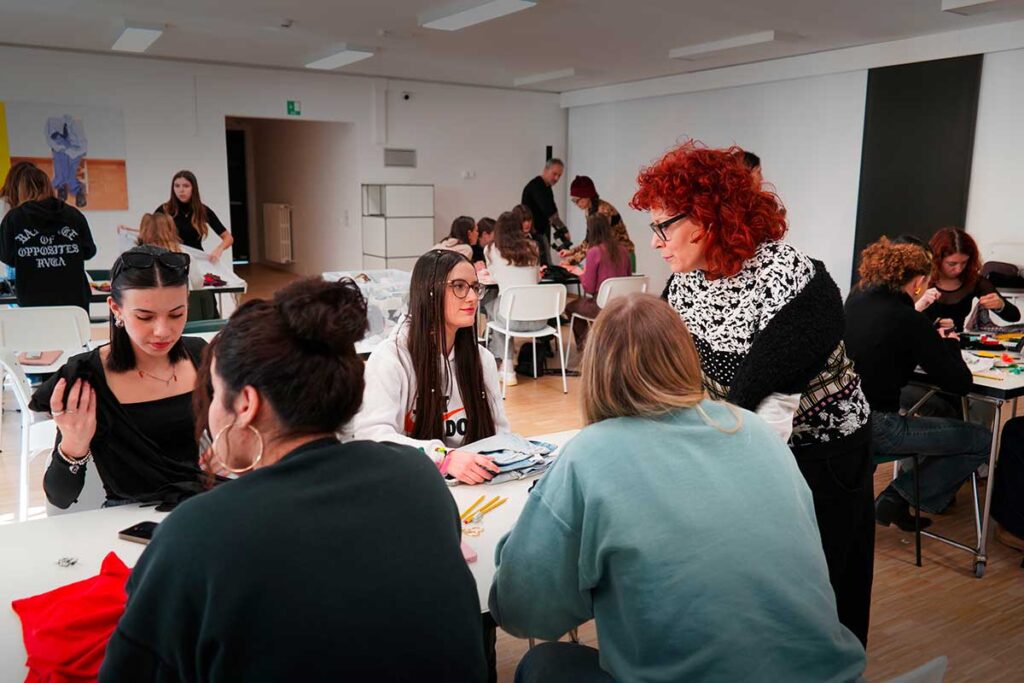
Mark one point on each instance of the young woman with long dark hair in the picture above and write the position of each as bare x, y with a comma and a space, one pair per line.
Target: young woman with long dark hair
127, 406
431, 385
606, 257
462, 238
193, 218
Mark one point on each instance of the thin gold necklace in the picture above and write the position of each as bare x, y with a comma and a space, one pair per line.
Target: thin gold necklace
167, 382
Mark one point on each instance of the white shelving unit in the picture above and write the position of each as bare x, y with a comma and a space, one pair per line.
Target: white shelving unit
398, 225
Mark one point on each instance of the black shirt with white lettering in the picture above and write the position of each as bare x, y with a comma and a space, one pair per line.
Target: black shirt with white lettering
47, 242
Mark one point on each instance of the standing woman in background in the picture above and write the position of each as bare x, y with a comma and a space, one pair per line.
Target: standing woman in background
158, 230
47, 242
193, 219
768, 324
957, 281
584, 195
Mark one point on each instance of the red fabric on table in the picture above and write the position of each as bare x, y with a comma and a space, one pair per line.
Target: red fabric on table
66, 630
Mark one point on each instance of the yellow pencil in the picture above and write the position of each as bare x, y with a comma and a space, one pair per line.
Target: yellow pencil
487, 506
465, 515
984, 376
493, 506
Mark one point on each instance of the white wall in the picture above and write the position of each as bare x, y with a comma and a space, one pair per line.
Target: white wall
994, 210
807, 132
174, 117
311, 166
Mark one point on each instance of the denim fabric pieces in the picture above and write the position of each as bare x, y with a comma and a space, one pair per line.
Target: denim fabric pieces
515, 456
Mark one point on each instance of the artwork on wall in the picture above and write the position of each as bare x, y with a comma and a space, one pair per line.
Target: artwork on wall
80, 147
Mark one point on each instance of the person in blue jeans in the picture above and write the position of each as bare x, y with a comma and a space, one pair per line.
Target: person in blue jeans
887, 338
66, 138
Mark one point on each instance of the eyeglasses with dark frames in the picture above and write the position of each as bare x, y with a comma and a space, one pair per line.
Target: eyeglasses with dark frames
659, 228
460, 288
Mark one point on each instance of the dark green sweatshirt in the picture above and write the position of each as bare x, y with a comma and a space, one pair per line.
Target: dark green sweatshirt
338, 563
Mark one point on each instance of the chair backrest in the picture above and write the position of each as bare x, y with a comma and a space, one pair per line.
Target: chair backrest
19, 381
44, 328
930, 672
620, 286
197, 326
532, 302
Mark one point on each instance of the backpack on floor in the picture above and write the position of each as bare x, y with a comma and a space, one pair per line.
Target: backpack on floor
524, 361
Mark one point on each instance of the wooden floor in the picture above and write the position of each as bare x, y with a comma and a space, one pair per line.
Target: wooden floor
917, 613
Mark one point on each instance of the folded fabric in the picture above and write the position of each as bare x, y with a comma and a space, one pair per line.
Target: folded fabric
66, 630
515, 456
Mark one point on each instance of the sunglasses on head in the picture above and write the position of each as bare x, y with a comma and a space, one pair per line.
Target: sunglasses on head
140, 260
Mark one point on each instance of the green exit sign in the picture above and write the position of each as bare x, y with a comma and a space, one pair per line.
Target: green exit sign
294, 108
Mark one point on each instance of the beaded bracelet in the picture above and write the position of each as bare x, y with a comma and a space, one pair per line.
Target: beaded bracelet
75, 464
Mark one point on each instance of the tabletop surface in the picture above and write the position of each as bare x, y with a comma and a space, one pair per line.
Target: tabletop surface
30, 551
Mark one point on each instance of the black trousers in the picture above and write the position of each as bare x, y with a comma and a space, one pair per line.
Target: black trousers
1007, 503
490, 646
839, 474
560, 662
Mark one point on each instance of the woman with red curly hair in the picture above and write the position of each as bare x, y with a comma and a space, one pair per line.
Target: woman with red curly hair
768, 324
956, 281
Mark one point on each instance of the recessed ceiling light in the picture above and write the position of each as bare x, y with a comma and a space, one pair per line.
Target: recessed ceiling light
137, 38
460, 16
691, 51
340, 59
542, 78
969, 7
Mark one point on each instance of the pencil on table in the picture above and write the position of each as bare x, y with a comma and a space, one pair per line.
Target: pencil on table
469, 510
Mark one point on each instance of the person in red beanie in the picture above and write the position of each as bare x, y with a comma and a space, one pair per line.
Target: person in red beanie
584, 195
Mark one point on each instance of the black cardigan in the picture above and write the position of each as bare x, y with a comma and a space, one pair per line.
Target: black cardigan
812, 322
887, 339
131, 466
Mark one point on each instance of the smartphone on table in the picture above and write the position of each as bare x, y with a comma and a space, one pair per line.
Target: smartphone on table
139, 533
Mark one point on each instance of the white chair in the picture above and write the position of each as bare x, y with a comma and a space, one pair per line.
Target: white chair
44, 328
930, 672
611, 288
31, 423
528, 303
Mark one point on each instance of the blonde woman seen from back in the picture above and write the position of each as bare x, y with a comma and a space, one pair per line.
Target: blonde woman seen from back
679, 573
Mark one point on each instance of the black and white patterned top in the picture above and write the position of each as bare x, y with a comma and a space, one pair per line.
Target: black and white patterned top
725, 316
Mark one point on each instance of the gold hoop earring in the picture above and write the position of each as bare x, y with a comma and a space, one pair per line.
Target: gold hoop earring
224, 461
917, 290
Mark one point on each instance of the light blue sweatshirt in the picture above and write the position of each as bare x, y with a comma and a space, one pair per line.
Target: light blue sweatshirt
696, 551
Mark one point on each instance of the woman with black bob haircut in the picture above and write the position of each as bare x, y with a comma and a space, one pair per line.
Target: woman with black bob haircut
290, 571
127, 405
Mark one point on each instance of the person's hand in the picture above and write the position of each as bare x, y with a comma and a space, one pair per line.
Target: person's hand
214, 256
946, 323
471, 468
948, 333
564, 252
991, 301
76, 420
575, 270
927, 299
479, 265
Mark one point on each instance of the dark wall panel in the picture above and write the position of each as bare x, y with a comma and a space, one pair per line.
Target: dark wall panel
918, 142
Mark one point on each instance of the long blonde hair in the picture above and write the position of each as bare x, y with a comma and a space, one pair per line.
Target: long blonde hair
640, 360
158, 229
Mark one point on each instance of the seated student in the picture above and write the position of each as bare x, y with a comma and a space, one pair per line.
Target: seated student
512, 260
1007, 503
127, 405
584, 195
887, 339
525, 216
606, 258
158, 230
485, 236
430, 384
462, 237
290, 571
687, 582
956, 280
47, 242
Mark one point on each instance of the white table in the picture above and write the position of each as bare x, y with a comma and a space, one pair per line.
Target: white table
29, 551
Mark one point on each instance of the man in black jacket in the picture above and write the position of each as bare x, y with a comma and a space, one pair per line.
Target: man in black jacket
537, 195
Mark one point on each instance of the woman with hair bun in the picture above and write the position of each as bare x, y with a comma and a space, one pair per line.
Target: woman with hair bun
887, 340
768, 324
289, 572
